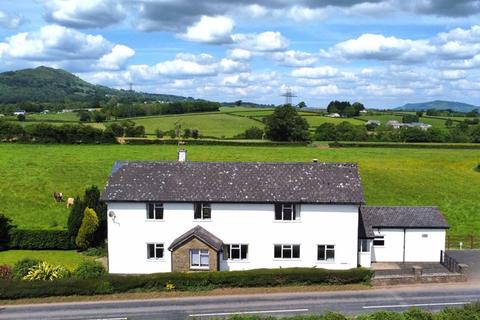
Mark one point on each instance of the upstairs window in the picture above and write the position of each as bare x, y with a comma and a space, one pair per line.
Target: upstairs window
235, 251
154, 211
286, 251
286, 212
326, 252
154, 251
379, 241
203, 211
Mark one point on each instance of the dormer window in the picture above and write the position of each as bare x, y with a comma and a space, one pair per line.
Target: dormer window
286, 212
154, 211
203, 211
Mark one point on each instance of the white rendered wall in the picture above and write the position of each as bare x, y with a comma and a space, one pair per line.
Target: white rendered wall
251, 224
417, 247
424, 245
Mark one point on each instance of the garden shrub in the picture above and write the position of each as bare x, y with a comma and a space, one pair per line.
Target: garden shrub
46, 271
40, 240
5, 272
5, 227
89, 269
87, 229
21, 268
100, 251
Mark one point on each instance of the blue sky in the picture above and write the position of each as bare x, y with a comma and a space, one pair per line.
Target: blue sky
381, 52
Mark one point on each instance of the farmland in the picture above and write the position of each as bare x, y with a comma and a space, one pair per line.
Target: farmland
447, 178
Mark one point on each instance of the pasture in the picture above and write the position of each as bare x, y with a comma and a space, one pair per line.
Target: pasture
444, 177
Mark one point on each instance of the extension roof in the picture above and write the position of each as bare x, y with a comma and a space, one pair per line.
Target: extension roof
246, 182
199, 233
399, 217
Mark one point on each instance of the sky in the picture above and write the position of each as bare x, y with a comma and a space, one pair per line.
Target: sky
384, 53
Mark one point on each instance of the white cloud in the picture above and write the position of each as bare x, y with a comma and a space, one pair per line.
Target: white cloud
231, 66
85, 13
453, 74
268, 41
117, 58
292, 58
10, 21
300, 13
215, 30
240, 54
326, 90
316, 72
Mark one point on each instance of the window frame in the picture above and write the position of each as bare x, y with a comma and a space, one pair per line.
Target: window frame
241, 247
156, 246
280, 208
362, 248
200, 254
200, 208
283, 249
326, 248
152, 208
379, 238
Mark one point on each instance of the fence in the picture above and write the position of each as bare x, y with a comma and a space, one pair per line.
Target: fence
462, 242
448, 262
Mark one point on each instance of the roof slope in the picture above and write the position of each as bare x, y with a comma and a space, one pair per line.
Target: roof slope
202, 235
247, 182
399, 217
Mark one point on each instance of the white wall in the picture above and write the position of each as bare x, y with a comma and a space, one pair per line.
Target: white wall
251, 224
417, 247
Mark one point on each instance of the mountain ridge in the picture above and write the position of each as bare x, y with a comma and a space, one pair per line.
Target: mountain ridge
439, 105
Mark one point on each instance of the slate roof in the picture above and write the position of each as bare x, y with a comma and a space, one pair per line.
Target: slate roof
199, 233
248, 182
399, 217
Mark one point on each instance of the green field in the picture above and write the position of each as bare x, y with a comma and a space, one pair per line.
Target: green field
64, 117
69, 259
447, 178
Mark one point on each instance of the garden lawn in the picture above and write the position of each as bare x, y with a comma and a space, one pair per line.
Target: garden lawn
70, 259
391, 176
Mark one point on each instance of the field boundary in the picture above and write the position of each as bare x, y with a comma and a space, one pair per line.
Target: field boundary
413, 145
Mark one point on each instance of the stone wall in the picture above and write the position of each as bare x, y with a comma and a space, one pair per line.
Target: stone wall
181, 257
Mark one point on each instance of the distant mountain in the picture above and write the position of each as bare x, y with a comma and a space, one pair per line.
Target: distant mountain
47, 85
439, 105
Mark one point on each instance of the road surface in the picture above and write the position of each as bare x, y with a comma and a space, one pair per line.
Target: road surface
431, 297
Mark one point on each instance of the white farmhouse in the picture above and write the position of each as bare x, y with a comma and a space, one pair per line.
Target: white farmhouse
189, 216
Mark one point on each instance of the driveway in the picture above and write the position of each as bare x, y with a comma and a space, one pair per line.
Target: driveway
471, 258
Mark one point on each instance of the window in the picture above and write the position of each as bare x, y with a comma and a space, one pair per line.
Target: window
235, 252
286, 212
154, 251
379, 241
326, 252
154, 211
199, 258
286, 251
363, 245
424, 235
203, 211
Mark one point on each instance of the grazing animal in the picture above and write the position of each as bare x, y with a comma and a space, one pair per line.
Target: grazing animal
70, 202
58, 196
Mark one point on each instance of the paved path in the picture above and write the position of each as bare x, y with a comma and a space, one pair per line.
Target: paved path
432, 297
470, 257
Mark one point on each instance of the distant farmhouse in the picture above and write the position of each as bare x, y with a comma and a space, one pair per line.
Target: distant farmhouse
207, 216
20, 113
397, 125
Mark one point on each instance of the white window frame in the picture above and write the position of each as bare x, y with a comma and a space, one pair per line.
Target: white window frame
203, 206
156, 246
325, 250
238, 246
286, 247
200, 252
156, 205
295, 214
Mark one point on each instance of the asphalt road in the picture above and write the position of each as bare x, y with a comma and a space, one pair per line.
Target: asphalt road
433, 297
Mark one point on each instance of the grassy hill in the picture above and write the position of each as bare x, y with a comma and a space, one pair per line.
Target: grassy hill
43, 84
446, 178
439, 105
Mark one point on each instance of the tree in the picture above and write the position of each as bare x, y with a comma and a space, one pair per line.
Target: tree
75, 217
195, 134
159, 133
326, 132
409, 118
476, 134
284, 124
21, 117
449, 123
5, 227
85, 117
253, 133
238, 103
187, 133
87, 230
419, 114
301, 105
92, 200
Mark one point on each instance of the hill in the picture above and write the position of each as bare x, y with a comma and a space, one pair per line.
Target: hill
439, 105
48, 85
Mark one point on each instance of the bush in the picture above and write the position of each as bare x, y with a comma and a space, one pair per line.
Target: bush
195, 134
21, 268
47, 272
75, 217
89, 269
5, 272
96, 252
40, 240
21, 117
87, 230
254, 133
5, 227
159, 133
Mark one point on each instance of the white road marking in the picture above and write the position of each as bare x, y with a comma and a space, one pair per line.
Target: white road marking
416, 305
246, 312
110, 319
